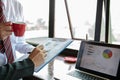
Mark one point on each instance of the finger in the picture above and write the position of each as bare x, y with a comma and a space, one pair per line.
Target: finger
44, 53
8, 23
41, 47
7, 33
4, 34
34, 52
38, 60
8, 28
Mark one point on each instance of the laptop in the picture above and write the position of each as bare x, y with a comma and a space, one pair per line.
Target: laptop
96, 61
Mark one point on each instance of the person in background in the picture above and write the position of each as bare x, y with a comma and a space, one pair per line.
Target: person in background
23, 68
11, 10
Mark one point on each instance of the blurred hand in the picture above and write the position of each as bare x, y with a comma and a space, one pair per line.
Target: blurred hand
5, 30
37, 56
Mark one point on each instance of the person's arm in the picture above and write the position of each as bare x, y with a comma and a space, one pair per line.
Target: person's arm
17, 70
23, 68
21, 45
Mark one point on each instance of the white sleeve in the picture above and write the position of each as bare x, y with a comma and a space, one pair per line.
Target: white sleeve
13, 10
19, 44
22, 46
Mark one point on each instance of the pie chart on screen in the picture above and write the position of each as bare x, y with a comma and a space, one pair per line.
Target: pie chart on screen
107, 53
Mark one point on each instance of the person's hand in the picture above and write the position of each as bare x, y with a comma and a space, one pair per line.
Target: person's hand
5, 30
41, 47
37, 56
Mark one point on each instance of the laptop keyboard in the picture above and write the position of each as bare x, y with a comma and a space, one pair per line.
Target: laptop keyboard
83, 76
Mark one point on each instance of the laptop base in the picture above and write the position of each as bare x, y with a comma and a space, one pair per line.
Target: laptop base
84, 76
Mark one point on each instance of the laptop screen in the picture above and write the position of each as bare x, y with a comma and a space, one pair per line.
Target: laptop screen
99, 57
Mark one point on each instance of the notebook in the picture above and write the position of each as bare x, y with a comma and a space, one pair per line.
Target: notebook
96, 61
52, 46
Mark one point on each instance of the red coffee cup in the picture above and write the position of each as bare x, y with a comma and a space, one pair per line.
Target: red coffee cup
18, 28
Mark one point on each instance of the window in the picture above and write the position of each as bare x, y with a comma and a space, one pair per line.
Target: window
36, 15
102, 35
115, 20
82, 18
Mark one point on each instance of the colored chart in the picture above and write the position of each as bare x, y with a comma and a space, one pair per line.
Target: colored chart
107, 53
